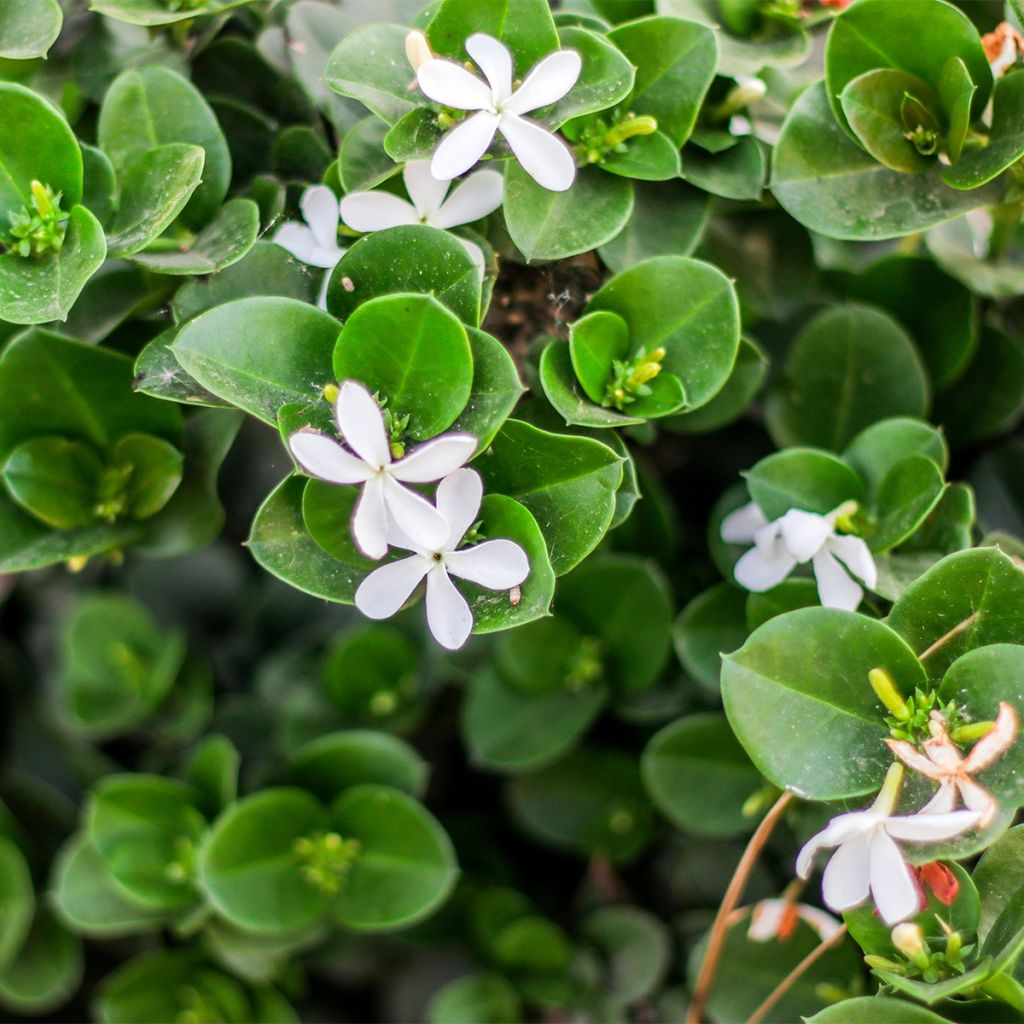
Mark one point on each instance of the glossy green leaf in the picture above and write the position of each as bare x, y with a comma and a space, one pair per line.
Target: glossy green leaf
47, 971
362, 162
869, 1009
416, 258
907, 495
956, 93
548, 225
154, 12
259, 353
568, 483
802, 478
154, 191
414, 354
736, 173
806, 673
525, 27
55, 480
636, 947
28, 28
474, 998
830, 185
712, 624
848, 368
17, 900
606, 77
495, 389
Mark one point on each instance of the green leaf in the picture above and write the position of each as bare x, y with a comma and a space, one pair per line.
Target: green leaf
956, 93
283, 545
89, 900
249, 867
568, 483
712, 624
212, 770
35, 144
495, 390
998, 876
17, 901
28, 28
142, 825
646, 158
156, 12
50, 385
636, 947
524, 26
906, 497
474, 998
848, 368
605, 79
224, 241
99, 185
917, 37
675, 63
406, 866
699, 777
874, 104
510, 731
416, 258
55, 480
154, 191
414, 354
685, 306
414, 136
259, 353
47, 971
878, 449
548, 225
591, 803
362, 162
153, 106
736, 173
370, 66
829, 184
156, 469
37, 289
802, 478
983, 588
805, 674
668, 219
869, 1009
331, 764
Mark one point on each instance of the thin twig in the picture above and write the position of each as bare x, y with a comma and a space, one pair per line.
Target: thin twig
794, 976
720, 926
946, 637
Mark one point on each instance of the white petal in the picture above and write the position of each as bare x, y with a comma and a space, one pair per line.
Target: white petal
892, 882
978, 799
476, 254
319, 207
449, 83
370, 520
361, 424
740, 526
759, 572
495, 564
838, 830
993, 744
547, 159
324, 458
856, 556
766, 918
321, 298
549, 80
415, 516
448, 614
375, 211
804, 533
494, 60
435, 459
425, 191
477, 196
824, 924
297, 239
913, 758
846, 881
931, 828
386, 589
835, 588
943, 801
458, 500
464, 145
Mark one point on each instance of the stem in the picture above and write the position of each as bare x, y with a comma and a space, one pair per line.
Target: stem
720, 926
794, 976
946, 637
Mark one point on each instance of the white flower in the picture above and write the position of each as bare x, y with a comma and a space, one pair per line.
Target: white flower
384, 502
477, 196
794, 539
315, 242
495, 564
943, 762
498, 109
868, 860
777, 919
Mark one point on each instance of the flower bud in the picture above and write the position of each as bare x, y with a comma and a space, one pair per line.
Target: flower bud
885, 689
909, 940
971, 732
330, 392
417, 49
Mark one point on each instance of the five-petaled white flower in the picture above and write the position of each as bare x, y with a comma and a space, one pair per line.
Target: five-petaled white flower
384, 502
498, 109
495, 564
943, 762
477, 196
315, 242
868, 860
794, 539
